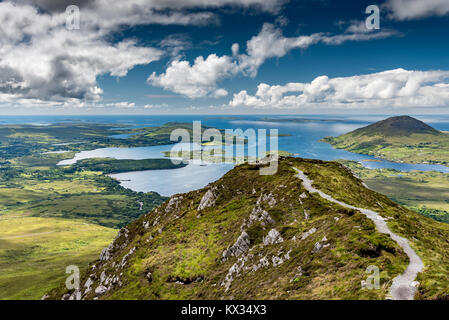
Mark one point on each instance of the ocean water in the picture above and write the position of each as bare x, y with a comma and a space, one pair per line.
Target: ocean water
303, 141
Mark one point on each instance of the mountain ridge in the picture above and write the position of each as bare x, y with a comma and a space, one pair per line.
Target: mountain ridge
267, 237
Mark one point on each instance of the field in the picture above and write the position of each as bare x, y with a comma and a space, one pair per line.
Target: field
46, 225
424, 192
53, 216
34, 252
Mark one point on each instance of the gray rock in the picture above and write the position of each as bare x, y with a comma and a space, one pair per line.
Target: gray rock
233, 272
305, 235
87, 285
75, 295
258, 214
267, 198
306, 214
263, 262
239, 247
105, 254
125, 257
173, 203
102, 277
273, 237
100, 290
208, 200
277, 261
320, 245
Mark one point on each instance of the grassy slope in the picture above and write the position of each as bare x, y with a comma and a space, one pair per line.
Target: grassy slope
400, 138
183, 245
62, 212
416, 148
34, 252
63, 221
428, 237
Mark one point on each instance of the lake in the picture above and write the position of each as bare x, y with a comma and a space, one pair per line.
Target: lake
303, 141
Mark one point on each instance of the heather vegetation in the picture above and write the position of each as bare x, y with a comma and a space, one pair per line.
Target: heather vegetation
266, 238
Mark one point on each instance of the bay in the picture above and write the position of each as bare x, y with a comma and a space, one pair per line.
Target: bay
302, 139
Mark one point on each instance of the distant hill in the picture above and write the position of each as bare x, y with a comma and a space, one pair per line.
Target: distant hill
401, 138
397, 127
267, 237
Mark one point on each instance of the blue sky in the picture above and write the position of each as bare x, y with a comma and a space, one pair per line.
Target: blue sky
293, 57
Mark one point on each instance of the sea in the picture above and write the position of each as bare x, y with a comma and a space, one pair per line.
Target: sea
299, 135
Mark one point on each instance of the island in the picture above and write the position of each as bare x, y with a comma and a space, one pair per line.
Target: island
401, 139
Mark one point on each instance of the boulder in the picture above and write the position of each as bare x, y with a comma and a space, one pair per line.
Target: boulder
273, 237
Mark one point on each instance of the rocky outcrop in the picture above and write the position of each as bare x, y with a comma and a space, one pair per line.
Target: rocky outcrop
238, 242
246, 264
298, 274
239, 247
261, 215
173, 203
125, 257
208, 200
100, 290
306, 234
233, 272
272, 237
280, 258
320, 245
106, 253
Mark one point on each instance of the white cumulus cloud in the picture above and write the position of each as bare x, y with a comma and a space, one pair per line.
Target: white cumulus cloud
198, 79
417, 9
41, 61
201, 78
392, 88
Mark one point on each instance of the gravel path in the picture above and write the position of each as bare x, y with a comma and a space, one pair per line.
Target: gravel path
404, 285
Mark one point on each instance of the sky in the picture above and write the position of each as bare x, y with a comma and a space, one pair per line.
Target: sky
224, 57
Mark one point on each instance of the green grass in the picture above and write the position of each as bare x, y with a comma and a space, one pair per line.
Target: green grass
425, 192
51, 216
427, 237
50, 219
412, 148
108, 166
86, 195
34, 252
183, 244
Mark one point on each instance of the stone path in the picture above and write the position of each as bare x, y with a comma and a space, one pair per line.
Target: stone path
404, 285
